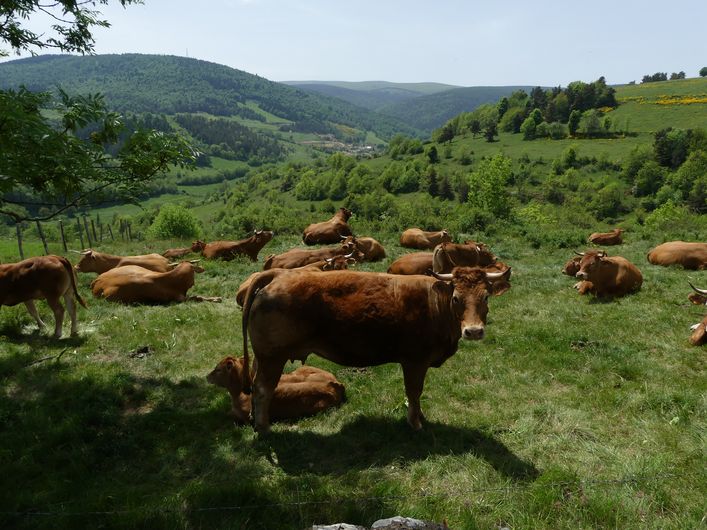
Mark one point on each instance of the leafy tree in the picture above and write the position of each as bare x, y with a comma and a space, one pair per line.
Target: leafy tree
573, 122
174, 221
432, 154
528, 128
475, 127
490, 131
56, 167
503, 106
678, 75
446, 134
487, 186
703, 71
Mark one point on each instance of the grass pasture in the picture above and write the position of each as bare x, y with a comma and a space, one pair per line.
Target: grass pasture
571, 413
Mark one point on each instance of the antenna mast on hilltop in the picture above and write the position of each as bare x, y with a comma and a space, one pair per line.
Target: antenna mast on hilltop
187, 53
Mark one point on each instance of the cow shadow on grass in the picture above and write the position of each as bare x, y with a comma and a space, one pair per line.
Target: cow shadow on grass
376, 442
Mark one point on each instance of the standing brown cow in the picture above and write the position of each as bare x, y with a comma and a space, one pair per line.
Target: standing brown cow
362, 319
446, 256
100, 262
330, 231
41, 278
228, 250
304, 392
607, 238
419, 239
602, 275
689, 255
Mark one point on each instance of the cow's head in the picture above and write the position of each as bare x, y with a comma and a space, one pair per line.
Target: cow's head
228, 374
469, 289
571, 268
590, 263
345, 213
87, 263
198, 246
349, 247
445, 237
699, 297
338, 263
486, 257
261, 237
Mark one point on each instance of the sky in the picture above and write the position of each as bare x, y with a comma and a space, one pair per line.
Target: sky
457, 42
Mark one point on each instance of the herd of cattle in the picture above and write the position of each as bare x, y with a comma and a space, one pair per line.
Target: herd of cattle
413, 315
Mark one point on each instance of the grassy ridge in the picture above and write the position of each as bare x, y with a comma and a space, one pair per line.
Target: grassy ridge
572, 413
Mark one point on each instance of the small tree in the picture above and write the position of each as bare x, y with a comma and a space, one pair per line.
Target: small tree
528, 128
703, 71
490, 131
174, 221
487, 186
432, 155
573, 122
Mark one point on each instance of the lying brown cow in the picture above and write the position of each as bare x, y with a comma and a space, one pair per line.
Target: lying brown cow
413, 263
336, 263
362, 319
571, 268
602, 275
175, 253
330, 231
419, 239
41, 278
446, 256
689, 255
299, 257
228, 250
303, 392
136, 285
92, 261
371, 249
699, 333
607, 238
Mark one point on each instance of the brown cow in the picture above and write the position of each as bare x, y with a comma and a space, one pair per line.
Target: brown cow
92, 261
136, 285
362, 319
571, 268
336, 263
371, 249
299, 257
303, 392
413, 263
699, 333
330, 231
41, 278
175, 253
446, 256
607, 238
602, 275
227, 250
419, 239
689, 255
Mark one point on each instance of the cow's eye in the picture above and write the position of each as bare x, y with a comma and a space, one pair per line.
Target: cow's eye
455, 299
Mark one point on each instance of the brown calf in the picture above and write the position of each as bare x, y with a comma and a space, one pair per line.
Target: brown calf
330, 231
571, 268
227, 250
303, 392
42, 278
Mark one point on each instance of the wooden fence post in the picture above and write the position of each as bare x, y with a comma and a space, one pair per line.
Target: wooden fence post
19, 240
88, 232
63, 237
130, 234
93, 229
41, 236
78, 225
110, 231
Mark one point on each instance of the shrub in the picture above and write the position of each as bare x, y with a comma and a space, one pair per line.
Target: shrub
174, 222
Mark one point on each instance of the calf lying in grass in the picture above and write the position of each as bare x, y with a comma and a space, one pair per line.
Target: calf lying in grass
303, 392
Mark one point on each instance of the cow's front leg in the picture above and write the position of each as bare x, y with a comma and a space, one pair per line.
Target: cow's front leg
266, 378
33, 311
414, 376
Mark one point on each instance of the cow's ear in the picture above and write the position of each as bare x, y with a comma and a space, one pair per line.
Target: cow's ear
229, 365
443, 287
500, 287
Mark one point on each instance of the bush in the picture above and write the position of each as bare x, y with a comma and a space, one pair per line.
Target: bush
174, 222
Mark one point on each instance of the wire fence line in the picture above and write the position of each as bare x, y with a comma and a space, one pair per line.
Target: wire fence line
630, 479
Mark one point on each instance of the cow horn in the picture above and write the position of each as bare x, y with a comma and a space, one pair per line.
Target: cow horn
443, 277
194, 261
350, 255
701, 291
578, 253
498, 275
75, 251
328, 260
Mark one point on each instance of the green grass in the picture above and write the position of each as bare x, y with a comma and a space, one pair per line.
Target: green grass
572, 412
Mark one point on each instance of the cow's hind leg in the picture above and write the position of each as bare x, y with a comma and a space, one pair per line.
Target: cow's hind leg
266, 378
414, 376
71, 307
33, 311
58, 309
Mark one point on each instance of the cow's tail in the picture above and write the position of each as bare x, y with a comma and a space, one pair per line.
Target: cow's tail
70, 270
260, 281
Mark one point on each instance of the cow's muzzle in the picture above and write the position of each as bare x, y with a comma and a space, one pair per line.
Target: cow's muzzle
581, 275
473, 332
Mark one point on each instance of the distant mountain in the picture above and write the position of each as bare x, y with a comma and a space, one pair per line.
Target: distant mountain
371, 94
169, 85
432, 111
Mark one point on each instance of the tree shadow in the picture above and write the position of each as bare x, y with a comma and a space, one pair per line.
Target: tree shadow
376, 441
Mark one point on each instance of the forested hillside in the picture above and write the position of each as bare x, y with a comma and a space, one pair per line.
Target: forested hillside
170, 85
